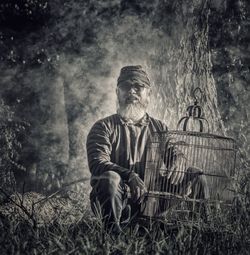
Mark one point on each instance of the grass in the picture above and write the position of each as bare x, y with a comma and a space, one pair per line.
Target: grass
226, 232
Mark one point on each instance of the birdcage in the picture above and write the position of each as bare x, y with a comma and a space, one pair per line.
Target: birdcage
186, 168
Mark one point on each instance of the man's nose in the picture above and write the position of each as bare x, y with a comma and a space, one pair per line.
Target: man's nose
132, 90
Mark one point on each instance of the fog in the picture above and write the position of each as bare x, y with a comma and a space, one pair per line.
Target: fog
59, 72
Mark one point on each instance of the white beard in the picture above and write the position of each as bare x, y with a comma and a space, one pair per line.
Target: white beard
132, 112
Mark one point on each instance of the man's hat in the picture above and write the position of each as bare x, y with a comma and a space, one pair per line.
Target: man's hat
135, 74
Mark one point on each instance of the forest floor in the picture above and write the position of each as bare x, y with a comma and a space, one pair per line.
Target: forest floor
33, 224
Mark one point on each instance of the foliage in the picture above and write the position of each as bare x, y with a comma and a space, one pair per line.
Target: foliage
12, 134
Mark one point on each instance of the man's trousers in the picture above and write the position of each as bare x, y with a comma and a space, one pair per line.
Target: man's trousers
109, 197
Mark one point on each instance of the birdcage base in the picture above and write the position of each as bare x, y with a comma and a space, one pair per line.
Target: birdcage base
163, 206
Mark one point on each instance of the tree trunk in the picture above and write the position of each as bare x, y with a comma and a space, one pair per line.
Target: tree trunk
184, 63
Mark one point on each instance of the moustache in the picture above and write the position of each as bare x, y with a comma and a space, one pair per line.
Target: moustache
132, 99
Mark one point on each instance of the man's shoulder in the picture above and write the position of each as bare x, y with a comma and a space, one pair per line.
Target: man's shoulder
108, 122
104, 126
158, 124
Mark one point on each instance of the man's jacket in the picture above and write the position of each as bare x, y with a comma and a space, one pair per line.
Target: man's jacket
116, 145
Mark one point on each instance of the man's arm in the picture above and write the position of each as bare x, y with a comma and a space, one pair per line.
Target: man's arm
99, 149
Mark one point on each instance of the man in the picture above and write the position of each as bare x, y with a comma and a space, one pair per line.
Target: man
116, 148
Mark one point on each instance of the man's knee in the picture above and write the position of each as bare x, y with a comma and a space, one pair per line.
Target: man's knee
111, 179
108, 182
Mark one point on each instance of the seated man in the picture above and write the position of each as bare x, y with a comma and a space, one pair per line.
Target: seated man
116, 148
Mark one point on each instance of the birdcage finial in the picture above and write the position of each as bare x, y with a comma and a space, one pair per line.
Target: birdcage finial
194, 119
198, 95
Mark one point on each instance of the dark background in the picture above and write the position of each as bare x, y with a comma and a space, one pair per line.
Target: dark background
59, 61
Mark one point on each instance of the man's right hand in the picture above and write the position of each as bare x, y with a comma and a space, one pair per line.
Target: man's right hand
137, 186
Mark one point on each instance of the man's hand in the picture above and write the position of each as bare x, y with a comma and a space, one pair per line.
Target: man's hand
178, 168
137, 186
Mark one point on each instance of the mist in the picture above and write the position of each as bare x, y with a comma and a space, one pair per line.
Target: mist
60, 64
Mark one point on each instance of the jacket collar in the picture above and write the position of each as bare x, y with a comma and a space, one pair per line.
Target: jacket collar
143, 122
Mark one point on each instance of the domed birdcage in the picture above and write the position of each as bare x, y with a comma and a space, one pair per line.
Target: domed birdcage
188, 165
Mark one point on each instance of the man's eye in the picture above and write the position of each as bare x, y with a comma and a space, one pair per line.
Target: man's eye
139, 88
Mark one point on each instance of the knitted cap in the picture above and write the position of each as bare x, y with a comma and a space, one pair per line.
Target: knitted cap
135, 74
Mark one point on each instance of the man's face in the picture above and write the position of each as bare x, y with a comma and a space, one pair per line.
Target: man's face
130, 92
133, 99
